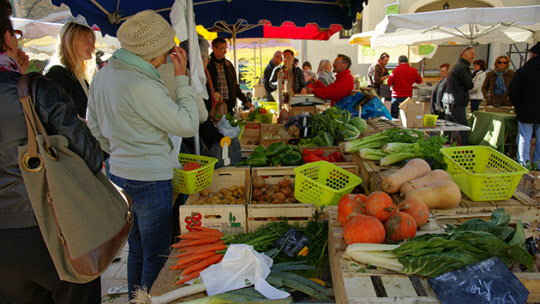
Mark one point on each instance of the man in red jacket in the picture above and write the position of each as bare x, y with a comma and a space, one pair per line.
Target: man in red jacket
402, 79
340, 88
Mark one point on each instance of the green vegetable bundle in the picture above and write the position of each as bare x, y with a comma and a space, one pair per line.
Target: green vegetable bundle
278, 153
332, 126
435, 254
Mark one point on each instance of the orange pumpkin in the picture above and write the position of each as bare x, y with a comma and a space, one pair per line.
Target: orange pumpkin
380, 205
400, 226
351, 204
417, 209
363, 229
191, 166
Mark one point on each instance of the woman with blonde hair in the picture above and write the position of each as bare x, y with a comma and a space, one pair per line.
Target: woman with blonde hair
324, 72
495, 87
73, 66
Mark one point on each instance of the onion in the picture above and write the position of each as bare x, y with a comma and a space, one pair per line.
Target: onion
258, 182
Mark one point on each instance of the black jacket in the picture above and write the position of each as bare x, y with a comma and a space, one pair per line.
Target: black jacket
232, 83
299, 81
524, 91
460, 82
266, 79
71, 85
436, 97
58, 115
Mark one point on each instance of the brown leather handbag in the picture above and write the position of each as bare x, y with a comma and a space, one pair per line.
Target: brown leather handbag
85, 220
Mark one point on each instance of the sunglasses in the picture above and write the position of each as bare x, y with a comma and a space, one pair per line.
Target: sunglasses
18, 34
502, 62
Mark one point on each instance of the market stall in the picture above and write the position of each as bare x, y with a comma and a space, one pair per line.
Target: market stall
492, 129
246, 210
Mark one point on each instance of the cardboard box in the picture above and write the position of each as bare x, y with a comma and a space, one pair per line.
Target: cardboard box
411, 113
300, 110
229, 219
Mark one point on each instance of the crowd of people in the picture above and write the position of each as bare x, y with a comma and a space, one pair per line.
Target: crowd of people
126, 112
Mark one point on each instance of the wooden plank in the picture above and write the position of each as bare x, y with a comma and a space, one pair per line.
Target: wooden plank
532, 282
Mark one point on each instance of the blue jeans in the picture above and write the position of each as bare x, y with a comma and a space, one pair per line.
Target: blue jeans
475, 104
396, 101
525, 131
150, 237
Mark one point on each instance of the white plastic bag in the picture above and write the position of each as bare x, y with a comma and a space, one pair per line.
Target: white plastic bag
226, 129
241, 267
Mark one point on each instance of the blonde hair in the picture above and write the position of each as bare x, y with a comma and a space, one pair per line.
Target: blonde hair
218, 111
67, 54
322, 65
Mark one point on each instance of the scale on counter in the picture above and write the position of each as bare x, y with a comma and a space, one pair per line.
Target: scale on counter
305, 100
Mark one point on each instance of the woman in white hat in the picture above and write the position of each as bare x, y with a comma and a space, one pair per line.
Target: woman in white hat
131, 113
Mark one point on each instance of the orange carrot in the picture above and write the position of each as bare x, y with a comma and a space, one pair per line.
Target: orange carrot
200, 234
203, 264
201, 249
188, 277
199, 228
195, 257
204, 241
176, 267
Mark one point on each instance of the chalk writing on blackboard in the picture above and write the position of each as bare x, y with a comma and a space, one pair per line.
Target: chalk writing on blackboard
488, 281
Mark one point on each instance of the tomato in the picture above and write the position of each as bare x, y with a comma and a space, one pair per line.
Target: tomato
263, 111
191, 166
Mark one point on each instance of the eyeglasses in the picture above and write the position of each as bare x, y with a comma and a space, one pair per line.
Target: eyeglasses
170, 51
502, 62
18, 34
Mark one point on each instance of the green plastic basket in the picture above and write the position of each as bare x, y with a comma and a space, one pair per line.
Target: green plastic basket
483, 173
322, 183
264, 118
189, 182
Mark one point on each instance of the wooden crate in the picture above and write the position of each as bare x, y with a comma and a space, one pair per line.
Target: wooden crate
272, 129
378, 125
351, 285
251, 135
230, 219
262, 214
304, 109
355, 283
530, 185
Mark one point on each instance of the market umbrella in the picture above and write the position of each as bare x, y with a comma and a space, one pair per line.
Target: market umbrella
109, 14
41, 38
457, 26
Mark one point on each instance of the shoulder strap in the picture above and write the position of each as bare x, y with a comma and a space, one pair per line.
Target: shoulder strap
27, 90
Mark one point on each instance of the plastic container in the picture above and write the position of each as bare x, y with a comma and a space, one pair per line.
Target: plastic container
483, 173
269, 106
322, 183
189, 182
430, 120
264, 118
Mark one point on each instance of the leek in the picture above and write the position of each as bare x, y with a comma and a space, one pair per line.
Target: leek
371, 154
395, 147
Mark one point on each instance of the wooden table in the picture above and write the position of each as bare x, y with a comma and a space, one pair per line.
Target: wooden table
442, 125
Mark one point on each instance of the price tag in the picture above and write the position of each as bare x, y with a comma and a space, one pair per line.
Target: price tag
292, 242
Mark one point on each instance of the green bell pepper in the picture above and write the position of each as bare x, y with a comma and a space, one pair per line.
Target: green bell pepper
292, 159
277, 148
260, 148
257, 159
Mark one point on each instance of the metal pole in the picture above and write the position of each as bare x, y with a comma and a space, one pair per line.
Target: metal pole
191, 30
262, 75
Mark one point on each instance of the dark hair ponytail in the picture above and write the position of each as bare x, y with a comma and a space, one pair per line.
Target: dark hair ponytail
5, 23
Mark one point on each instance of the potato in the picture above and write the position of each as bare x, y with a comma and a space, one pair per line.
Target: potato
233, 188
219, 195
227, 194
242, 190
235, 193
206, 192
223, 190
199, 202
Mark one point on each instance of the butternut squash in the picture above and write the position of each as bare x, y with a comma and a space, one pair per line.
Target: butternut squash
414, 169
444, 194
424, 181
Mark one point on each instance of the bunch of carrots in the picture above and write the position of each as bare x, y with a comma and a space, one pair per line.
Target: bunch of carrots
198, 249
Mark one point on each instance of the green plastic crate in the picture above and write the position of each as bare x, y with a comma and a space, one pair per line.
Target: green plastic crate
483, 173
189, 182
322, 183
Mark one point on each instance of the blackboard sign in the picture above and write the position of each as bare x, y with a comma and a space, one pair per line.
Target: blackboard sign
294, 242
488, 281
